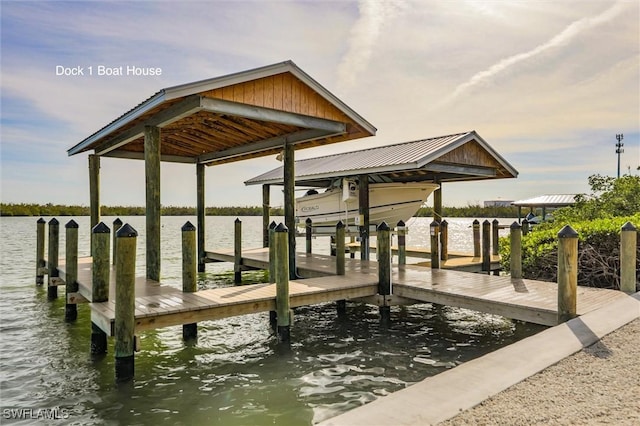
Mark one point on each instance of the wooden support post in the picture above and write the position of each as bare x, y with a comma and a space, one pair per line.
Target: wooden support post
402, 243
290, 205
437, 202
495, 237
100, 273
515, 261
189, 273
384, 268
434, 230
272, 265
52, 262
486, 246
628, 242
94, 190
340, 262
282, 282
525, 226
41, 263
476, 238
266, 195
71, 265
200, 211
340, 248
363, 211
567, 273
444, 240
117, 224
307, 233
237, 251
124, 323
152, 178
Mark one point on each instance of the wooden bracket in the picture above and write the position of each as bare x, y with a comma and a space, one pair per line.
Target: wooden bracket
75, 298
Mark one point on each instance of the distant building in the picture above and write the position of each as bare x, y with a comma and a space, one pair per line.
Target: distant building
498, 203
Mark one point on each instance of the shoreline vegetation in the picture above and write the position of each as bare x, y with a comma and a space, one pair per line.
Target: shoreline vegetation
49, 209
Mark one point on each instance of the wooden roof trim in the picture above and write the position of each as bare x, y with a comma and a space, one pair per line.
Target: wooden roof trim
468, 137
262, 72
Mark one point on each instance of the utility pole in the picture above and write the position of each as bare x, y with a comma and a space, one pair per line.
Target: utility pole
619, 150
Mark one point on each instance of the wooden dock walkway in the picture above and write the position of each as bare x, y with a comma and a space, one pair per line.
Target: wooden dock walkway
159, 305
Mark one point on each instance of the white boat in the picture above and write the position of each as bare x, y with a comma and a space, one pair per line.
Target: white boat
388, 202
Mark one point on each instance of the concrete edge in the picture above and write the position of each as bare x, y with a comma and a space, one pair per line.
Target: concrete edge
445, 395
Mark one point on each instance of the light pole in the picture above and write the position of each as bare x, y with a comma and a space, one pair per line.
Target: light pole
619, 149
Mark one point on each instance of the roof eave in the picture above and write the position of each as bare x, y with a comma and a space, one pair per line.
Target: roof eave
138, 111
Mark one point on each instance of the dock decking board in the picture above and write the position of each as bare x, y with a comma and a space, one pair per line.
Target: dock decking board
162, 305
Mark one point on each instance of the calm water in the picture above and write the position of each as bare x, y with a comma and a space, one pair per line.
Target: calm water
236, 373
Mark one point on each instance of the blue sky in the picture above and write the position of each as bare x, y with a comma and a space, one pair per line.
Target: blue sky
547, 84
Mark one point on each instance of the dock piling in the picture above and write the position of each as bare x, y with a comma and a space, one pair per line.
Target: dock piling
124, 323
281, 238
434, 229
40, 261
340, 248
52, 262
628, 242
515, 261
495, 234
272, 265
100, 273
117, 224
444, 240
402, 243
486, 246
525, 226
237, 251
476, 238
307, 233
189, 273
567, 273
384, 268
71, 266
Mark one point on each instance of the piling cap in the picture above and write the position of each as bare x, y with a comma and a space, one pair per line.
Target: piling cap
273, 224
117, 222
339, 225
188, 227
495, 221
383, 226
525, 221
486, 222
237, 220
100, 228
400, 223
476, 222
515, 225
567, 232
126, 231
54, 221
41, 220
629, 227
444, 222
281, 228
434, 224
71, 224
308, 220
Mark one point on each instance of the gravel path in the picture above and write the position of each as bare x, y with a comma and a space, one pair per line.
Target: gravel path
599, 385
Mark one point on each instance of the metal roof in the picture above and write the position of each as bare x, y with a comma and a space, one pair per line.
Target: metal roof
241, 115
550, 200
439, 158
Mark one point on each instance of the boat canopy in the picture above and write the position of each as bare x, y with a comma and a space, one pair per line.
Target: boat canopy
458, 157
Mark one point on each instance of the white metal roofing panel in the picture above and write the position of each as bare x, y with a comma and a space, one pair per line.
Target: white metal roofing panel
400, 156
548, 200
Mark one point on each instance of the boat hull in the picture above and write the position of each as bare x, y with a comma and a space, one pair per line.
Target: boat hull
388, 202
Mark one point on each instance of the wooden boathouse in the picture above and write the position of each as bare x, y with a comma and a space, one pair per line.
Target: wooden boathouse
253, 113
